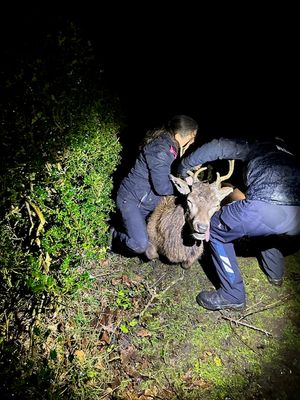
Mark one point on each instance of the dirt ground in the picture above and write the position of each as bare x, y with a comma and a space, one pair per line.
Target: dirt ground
178, 350
137, 333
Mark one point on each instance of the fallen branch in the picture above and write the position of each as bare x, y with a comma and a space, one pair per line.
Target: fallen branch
239, 322
276, 303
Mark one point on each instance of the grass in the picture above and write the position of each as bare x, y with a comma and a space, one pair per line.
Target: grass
138, 333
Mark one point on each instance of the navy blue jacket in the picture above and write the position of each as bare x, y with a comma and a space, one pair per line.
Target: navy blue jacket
271, 172
149, 177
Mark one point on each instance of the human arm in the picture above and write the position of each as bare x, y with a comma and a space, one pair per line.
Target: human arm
223, 148
159, 163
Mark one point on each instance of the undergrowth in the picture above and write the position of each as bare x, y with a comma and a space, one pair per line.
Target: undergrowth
136, 332
59, 133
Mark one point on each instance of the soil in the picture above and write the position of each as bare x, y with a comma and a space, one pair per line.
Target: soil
187, 352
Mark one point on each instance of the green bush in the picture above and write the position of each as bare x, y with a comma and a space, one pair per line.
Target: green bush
75, 200
60, 128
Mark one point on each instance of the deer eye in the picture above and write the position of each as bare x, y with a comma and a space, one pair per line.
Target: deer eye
190, 204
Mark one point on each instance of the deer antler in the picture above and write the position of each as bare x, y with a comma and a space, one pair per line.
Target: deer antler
224, 177
197, 169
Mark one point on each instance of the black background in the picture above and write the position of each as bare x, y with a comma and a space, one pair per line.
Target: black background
234, 69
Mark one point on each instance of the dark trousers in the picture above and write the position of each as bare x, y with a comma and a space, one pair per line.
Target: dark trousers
249, 218
133, 236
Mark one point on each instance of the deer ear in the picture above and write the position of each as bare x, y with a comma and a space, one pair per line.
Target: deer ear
180, 184
189, 180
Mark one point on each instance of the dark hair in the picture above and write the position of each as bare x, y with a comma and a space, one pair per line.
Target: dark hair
181, 124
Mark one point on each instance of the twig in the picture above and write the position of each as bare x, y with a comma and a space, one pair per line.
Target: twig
239, 322
254, 305
155, 295
265, 308
30, 217
105, 274
172, 284
158, 280
109, 392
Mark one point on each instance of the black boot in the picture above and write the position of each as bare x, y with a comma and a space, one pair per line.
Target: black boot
215, 301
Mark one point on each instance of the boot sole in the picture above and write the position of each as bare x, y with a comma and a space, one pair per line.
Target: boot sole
275, 282
233, 307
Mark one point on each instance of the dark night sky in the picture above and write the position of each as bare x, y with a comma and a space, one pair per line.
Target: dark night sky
234, 70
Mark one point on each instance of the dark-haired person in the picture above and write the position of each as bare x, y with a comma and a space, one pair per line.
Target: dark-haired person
271, 207
148, 180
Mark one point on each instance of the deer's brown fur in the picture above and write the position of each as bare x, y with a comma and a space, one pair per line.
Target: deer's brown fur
179, 224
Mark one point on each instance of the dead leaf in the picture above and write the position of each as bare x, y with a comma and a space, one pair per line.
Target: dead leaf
132, 372
127, 354
105, 338
99, 365
80, 355
151, 392
130, 395
188, 376
116, 281
200, 383
138, 279
144, 332
126, 281
115, 382
206, 355
104, 263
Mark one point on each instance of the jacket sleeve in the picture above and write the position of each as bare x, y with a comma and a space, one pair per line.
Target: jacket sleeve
159, 163
222, 148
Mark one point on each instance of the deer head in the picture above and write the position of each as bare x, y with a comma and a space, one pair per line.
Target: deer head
202, 199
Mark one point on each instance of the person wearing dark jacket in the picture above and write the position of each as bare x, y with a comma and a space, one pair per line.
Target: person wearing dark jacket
148, 181
271, 207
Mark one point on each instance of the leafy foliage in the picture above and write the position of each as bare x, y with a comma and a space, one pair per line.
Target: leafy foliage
59, 129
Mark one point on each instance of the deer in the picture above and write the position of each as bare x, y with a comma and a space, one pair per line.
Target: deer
180, 223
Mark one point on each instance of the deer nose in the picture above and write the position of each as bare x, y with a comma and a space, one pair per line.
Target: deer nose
201, 228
